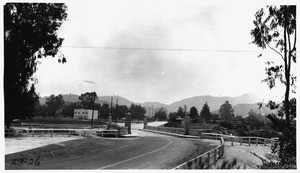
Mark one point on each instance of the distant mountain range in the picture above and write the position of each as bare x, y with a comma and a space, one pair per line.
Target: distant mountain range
241, 104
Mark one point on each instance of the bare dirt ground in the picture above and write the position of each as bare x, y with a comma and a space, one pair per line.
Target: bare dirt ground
248, 156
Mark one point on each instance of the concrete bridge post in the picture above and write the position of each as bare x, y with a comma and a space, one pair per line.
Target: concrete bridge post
186, 120
128, 122
145, 123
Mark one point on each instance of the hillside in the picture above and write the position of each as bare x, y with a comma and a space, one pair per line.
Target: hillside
242, 104
213, 102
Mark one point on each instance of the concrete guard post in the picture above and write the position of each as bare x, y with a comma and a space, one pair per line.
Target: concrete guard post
128, 122
186, 120
109, 122
145, 123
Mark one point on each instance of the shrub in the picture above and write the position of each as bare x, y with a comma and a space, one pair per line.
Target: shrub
226, 124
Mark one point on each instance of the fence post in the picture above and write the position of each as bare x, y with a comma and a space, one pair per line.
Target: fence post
200, 162
51, 133
241, 140
69, 133
256, 141
249, 141
220, 152
208, 160
264, 142
223, 150
32, 133
231, 141
215, 157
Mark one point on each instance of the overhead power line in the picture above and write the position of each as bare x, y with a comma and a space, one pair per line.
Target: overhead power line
159, 49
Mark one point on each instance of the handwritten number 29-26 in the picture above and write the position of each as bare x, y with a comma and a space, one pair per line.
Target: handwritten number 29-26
22, 161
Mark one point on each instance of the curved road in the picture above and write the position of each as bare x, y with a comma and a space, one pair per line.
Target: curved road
148, 151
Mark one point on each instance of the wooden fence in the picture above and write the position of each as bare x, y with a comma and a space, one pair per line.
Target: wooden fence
202, 132
205, 160
240, 139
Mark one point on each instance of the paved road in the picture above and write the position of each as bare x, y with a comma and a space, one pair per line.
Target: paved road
149, 151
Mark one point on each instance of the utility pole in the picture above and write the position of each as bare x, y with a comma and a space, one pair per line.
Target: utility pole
93, 110
111, 106
116, 111
94, 98
152, 112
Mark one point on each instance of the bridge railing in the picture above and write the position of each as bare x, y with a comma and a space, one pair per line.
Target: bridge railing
202, 132
205, 160
239, 139
52, 132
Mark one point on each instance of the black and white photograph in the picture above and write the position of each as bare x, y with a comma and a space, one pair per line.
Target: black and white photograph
149, 85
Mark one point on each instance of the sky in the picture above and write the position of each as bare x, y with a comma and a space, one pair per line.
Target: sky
160, 51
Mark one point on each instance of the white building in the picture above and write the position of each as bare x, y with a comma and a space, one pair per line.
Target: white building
85, 114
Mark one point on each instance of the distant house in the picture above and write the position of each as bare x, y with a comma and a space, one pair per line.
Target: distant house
85, 114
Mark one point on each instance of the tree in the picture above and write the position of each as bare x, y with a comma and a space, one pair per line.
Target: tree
104, 111
205, 113
137, 112
88, 102
122, 110
172, 117
161, 114
215, 117
54, 103
193, 112
275, 28
30, 33
253, 120
180, 112
30, 102
68, 110
226, 111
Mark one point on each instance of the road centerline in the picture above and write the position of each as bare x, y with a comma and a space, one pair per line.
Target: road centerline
170, 142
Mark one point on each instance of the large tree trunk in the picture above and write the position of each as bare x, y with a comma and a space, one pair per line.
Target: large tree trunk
287, 64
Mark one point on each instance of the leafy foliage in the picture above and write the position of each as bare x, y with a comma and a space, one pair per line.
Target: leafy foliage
121, 111
88, 99
180, 112
137, 111
104, 111
226, 124
275, 28
161, 114
193, 112
172, 117
54, 103
30, 32
255, 120
205, 113
226, 111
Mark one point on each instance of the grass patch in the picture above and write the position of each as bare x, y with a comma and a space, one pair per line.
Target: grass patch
64, 150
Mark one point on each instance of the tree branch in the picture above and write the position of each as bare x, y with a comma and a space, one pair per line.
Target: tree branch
276, 51
289, 54
294, 47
